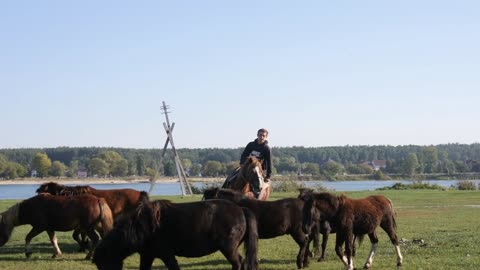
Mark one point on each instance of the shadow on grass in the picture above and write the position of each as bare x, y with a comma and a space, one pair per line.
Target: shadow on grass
43, 249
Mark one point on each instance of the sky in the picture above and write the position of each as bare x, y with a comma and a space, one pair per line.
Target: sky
314, 73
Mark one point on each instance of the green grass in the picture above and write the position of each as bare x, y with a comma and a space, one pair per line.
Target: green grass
448, 222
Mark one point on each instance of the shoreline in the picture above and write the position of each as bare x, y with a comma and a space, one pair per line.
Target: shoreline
89, 181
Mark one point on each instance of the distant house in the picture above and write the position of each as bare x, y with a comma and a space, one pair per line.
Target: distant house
82, 173
376, 164
34, 173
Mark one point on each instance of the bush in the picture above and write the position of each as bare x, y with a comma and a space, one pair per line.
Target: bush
287, 186
465, 185
415, 185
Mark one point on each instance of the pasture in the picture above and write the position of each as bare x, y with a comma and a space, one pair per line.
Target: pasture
438, 230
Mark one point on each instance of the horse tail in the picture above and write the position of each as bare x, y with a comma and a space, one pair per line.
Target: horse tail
251, 240
106, 216
144, 198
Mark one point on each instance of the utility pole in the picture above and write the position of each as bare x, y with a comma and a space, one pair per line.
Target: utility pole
184, 184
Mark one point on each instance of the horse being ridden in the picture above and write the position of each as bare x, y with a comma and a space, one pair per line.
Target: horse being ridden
51, 213
249, 179
353, 217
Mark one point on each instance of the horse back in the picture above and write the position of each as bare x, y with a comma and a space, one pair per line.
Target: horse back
195, 229
60, 213
120, 201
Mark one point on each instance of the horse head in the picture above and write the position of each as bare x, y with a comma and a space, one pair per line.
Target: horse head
252, 171
50, 187
210, 193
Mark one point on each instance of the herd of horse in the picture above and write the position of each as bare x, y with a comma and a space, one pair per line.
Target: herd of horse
129, 222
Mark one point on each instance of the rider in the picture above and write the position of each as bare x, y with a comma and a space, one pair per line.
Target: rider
260, 149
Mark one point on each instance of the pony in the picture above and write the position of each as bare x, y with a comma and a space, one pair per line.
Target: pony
324, 228
162, 229
353, 217
274, 218
51, 213
120, 201
250, 173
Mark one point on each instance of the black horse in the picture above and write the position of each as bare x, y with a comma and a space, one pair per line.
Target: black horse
161, 229
274, 218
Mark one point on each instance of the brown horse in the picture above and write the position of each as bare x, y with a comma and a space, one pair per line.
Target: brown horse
161, 229
274, 218
51, 213
324, 228
250, 173
120, 201
353, 217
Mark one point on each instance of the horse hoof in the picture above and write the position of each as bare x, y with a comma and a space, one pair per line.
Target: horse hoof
28, 254
56, 255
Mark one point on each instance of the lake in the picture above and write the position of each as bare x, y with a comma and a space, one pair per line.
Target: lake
24, 191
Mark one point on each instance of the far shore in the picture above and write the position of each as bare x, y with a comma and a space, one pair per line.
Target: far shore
89, 181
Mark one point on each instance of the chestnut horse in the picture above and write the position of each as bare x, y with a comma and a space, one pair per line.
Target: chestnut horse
120, 201
353, 217
161, 229
274, 218
51, 213
250, 173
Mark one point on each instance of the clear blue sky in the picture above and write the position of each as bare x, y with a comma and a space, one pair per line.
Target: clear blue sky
315, 73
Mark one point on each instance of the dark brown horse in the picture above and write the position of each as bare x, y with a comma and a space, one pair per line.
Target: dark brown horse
324, 228
120, 201
353, 217
161, 229
274, 218
250, 173
51, 213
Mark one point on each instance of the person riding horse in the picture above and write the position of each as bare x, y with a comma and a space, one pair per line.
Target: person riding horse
260, 149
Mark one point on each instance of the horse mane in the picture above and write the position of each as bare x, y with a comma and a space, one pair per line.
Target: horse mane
332, 200
9, 219
62, 190
151, 210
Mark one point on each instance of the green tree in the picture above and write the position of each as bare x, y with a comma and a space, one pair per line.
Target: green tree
169, 168
98, 166
73, 168
213, 168
331, 168
117, 165
430, 158
311, 168
141, 167
3, 164
411, 164
58, 169
196, 169
41, 163
14, 170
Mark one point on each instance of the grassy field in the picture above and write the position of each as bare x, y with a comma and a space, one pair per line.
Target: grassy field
448, 222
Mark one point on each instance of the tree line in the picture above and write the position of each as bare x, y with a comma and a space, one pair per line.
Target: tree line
327, 162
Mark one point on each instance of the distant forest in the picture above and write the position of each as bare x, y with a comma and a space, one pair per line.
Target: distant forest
324, 162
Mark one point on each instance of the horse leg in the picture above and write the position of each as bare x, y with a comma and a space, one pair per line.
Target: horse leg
54, 241
302, 241
82, 242
389, 228
94, 237
349, 250
230, 251
33, 232
146, 261
170, 262
325, 236
374, 240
